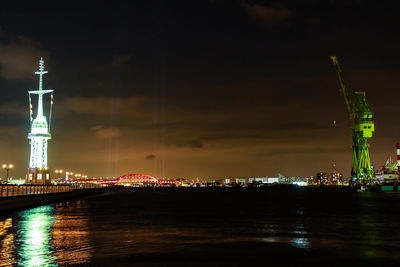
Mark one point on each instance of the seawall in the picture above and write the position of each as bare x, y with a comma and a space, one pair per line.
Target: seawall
8, 204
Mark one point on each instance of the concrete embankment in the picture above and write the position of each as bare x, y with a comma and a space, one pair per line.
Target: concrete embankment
8, 204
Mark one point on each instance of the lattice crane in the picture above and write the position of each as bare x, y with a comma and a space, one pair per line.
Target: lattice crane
361, 127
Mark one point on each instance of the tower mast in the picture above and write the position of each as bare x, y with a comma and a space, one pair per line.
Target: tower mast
38, 172
40, 95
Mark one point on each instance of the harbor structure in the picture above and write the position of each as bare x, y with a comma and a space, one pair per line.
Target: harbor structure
390, 171
38, 171
361, 127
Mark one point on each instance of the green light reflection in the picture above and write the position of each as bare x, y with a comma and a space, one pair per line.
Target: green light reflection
34, 237
7, 243
301, 241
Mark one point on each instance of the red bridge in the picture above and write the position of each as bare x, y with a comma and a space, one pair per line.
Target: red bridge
141, 179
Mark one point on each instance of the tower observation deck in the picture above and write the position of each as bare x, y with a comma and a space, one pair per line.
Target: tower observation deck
38, 172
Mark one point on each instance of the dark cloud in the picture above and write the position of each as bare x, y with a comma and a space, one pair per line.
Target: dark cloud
150, 157
17, 57
106, 133
268, 15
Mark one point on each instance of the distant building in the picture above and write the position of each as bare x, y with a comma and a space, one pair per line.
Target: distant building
335, 178
16, 181
379, 176
241, 181
263, 180
321, 178
390, 171
297, 180
282, 178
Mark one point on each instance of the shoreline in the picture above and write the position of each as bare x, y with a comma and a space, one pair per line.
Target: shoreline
15, 203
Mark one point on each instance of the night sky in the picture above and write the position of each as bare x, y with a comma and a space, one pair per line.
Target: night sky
200, 88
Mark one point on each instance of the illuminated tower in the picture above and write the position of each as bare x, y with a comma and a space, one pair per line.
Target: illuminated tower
398, 155
38, 172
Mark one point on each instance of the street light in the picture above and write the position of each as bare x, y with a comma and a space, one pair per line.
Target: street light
59, 172
7, 167
67, 174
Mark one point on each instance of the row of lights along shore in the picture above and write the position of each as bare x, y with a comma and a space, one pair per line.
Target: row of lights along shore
69, 174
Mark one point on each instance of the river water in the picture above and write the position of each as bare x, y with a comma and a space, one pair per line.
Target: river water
207, 226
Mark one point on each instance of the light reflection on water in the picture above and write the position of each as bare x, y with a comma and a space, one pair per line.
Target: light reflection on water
7, 243
117, 226
33, 241
302, 241
70, 235
44, 236
292, 232
280, 233
369, 240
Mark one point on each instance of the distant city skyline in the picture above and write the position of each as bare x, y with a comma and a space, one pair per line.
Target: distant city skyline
203, 88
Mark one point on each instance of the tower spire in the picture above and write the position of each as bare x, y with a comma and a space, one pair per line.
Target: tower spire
40, 72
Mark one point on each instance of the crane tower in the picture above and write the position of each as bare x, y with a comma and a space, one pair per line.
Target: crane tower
361, 127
